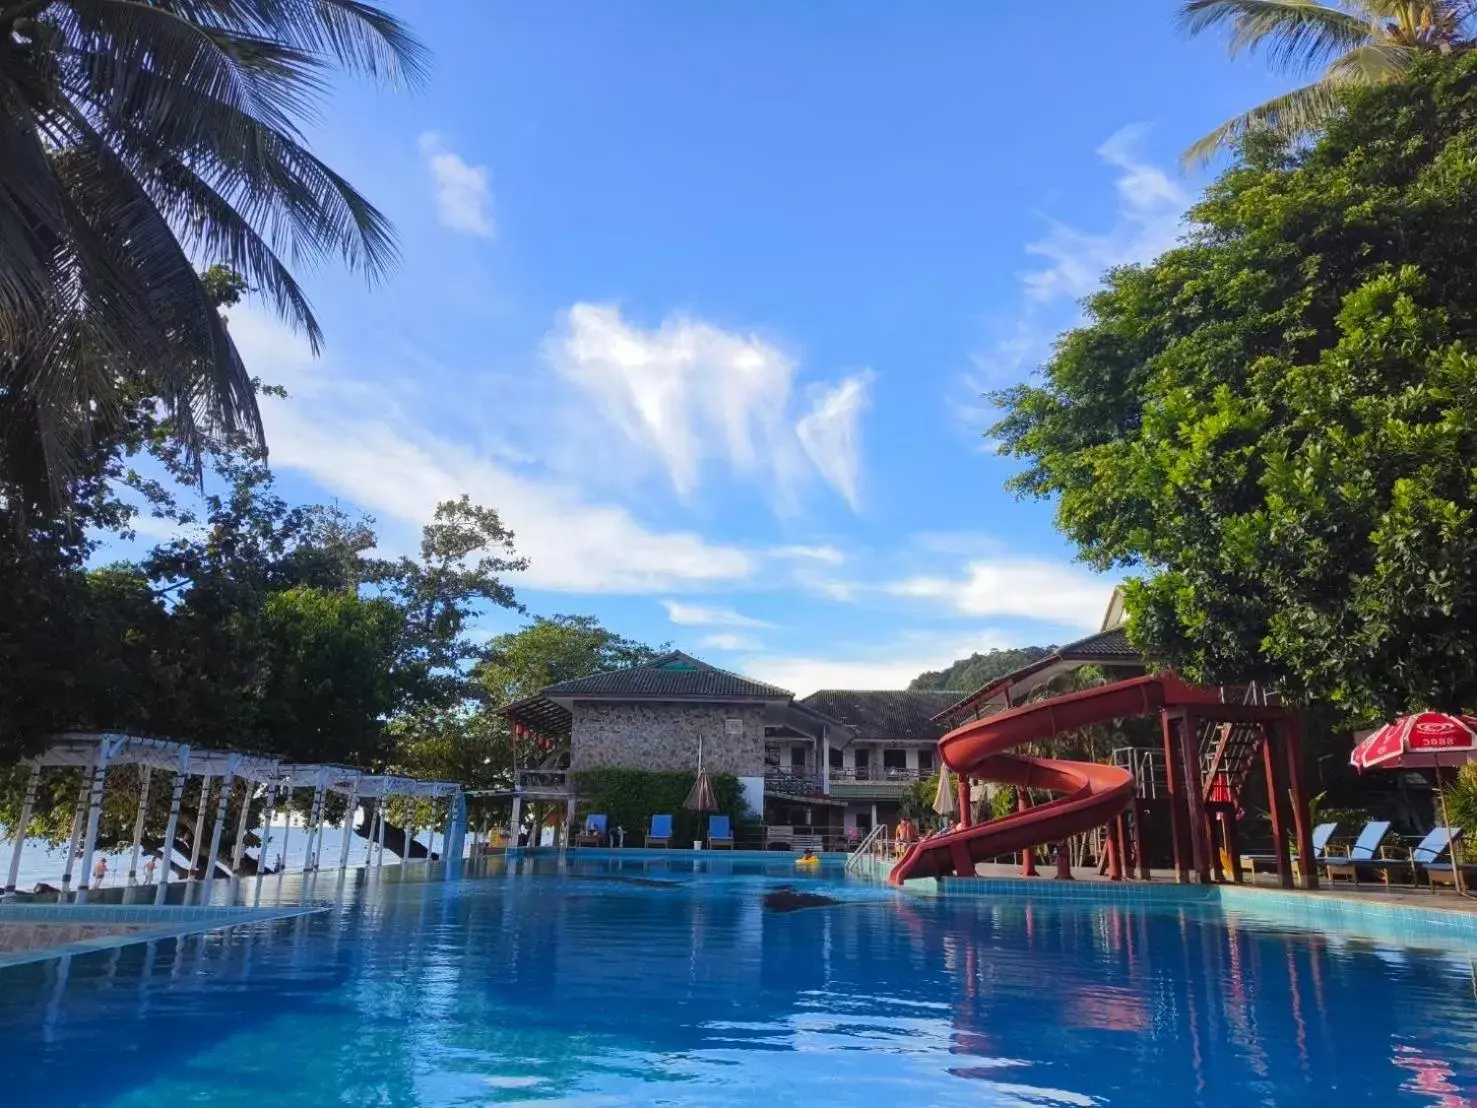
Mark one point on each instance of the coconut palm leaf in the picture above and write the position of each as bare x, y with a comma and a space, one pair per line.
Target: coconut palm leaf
1293, 113
1296, 34
1358, 42
139, 139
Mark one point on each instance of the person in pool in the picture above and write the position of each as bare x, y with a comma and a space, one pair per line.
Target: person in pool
808, 858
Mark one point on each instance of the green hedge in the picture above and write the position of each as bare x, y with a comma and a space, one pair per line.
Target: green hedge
630, 797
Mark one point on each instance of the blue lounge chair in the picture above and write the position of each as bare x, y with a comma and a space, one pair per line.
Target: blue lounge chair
1365, 850
660, 833
720, 833
1426, 858
1321, 834
594, 830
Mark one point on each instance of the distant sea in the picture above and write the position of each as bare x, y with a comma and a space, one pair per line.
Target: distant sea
42, 862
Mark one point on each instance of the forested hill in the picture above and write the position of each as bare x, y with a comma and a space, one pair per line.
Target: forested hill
968, 674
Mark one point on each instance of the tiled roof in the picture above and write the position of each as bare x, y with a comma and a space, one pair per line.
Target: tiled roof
672, 675
1105, 644
882, 716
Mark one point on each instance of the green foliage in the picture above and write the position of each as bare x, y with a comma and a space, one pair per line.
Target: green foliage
1357, 42
550, 650
630, 797
1461, 805
1002, 803
917, 802
138, 137
330, 680
978, 670
1274, 423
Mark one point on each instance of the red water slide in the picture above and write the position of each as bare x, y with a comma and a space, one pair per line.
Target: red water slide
1094, 794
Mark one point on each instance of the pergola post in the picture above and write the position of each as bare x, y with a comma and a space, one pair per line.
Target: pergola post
313, 829
516, 820
320, 828
138, 823
1200, 846
238, 851
1274, 765
213, 859
1173, 785
199, 835
94, 814
380, 835
176, 796
352, 807
261, 854
409, 834
286, 832
1292, 730
78, 815
33, 783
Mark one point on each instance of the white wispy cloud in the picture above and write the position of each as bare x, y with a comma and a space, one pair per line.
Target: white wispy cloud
1047, 591
729, 641
826, 554
699, 615
463, 192
339, 434
831, 434
687, 394
1148, 218
891, 667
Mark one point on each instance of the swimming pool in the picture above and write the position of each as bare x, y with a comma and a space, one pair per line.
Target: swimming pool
601, 984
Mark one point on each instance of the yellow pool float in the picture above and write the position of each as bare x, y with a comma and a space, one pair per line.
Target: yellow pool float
813, 861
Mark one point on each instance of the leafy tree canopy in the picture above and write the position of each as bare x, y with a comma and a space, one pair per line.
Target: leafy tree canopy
968, 674
1274, 424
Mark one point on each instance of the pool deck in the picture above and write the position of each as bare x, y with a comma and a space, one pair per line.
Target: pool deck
1403, 916
39, 932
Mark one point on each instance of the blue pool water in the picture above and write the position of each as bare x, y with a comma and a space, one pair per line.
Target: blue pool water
658, 985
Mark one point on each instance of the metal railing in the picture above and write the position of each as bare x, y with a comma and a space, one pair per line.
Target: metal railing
864, 847
868, 774
793, 784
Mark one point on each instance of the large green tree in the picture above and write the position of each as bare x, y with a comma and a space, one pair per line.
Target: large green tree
1274, 425
136, 137
1347, 43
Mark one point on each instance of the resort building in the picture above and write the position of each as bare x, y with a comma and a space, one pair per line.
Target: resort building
677, 713
891, 744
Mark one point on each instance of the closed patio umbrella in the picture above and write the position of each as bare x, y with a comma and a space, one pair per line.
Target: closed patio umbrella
943, 801
700, 798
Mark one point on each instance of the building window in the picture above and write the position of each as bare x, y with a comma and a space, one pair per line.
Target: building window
797, 757
925, 761
894, 759
836, 760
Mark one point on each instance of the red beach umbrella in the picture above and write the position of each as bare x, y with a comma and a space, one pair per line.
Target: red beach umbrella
1427, 740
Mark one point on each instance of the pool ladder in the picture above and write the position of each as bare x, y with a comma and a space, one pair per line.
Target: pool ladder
863, 848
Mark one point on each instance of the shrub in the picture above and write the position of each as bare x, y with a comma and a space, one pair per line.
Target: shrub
630, 797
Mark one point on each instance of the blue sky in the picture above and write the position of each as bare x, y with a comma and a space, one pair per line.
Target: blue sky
702, 298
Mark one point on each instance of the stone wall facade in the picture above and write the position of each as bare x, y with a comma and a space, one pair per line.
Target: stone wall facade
664, 736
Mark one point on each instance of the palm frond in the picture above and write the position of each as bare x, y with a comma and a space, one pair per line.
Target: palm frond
1297, 35
1295, 113
1373, 64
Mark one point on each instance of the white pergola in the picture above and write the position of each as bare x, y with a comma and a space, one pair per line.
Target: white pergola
95, 753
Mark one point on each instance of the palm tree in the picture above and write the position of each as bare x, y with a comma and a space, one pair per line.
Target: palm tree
141, 140
1351, 42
